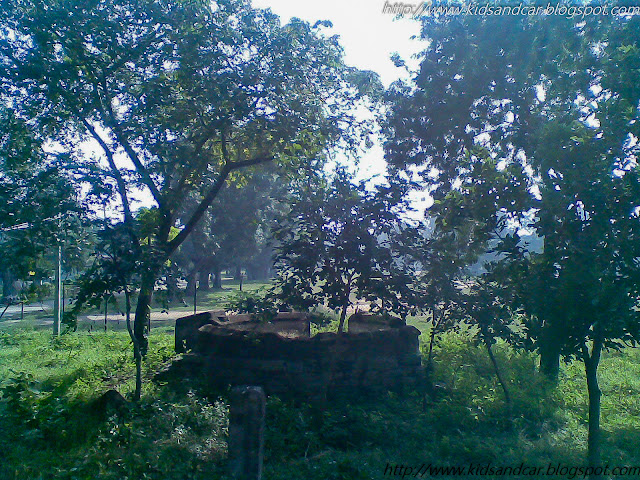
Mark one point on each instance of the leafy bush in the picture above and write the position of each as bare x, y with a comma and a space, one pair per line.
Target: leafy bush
38, 293
19, 394
259, 302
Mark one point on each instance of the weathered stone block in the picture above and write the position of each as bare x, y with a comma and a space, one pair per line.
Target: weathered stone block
187, 328
372, 322
246, 432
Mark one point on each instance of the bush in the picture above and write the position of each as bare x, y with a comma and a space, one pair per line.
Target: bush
259, 302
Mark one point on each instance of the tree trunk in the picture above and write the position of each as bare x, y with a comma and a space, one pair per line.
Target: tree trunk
143, 311
343, 316
8, 280
432, 337
332, 366
507, 397
172, 287
204, 285
428, 369
591, 363
550, 363
217, 281
252, 272
136, 346
549, 354
57, 304
191, 281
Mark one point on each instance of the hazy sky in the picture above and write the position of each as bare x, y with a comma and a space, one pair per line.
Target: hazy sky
368, 37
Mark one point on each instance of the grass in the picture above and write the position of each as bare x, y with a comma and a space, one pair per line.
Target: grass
52, 427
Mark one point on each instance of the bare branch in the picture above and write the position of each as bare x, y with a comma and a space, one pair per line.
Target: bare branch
122, 189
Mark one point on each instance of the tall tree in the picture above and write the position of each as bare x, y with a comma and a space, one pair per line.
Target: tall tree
535, 130
178, 96
114, 269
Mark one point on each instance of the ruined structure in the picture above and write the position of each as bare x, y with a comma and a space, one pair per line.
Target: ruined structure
370, 322
284, 359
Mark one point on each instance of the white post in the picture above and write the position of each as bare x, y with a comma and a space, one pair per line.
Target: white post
57, 304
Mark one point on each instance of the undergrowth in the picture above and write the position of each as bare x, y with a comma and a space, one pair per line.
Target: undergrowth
52, 426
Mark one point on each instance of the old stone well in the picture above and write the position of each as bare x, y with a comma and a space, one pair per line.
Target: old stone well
281, 356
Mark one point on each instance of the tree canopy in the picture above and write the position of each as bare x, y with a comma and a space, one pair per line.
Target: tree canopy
40, 203
340, 242
176, 97
535, 131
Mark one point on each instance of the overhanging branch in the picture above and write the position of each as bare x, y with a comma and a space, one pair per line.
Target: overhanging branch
200, 210
210, 197
131, 153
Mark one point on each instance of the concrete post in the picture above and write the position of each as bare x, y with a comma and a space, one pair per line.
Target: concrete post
57, 304
246, 432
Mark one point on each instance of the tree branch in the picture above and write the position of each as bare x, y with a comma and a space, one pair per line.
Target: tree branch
200, 210
213, 192
177, 191
211, 195
249, 163
122, 189
131, 153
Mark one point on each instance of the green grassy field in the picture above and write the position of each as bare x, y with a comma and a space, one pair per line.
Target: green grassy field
52, 428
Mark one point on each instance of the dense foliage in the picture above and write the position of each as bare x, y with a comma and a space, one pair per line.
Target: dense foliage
178, 96
221, 121
518, 134
340, 241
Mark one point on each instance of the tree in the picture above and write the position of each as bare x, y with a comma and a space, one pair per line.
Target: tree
444, 256
40, 204
113, 270
535, 130
179, 96
584, 283
480, 304
341, 242
236, 236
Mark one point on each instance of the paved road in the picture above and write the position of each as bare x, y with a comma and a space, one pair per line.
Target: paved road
12, 310
12, 316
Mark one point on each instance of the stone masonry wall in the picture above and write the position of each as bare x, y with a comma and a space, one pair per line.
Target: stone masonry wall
299, 366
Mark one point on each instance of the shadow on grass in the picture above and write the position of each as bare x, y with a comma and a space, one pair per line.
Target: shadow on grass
622, 444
